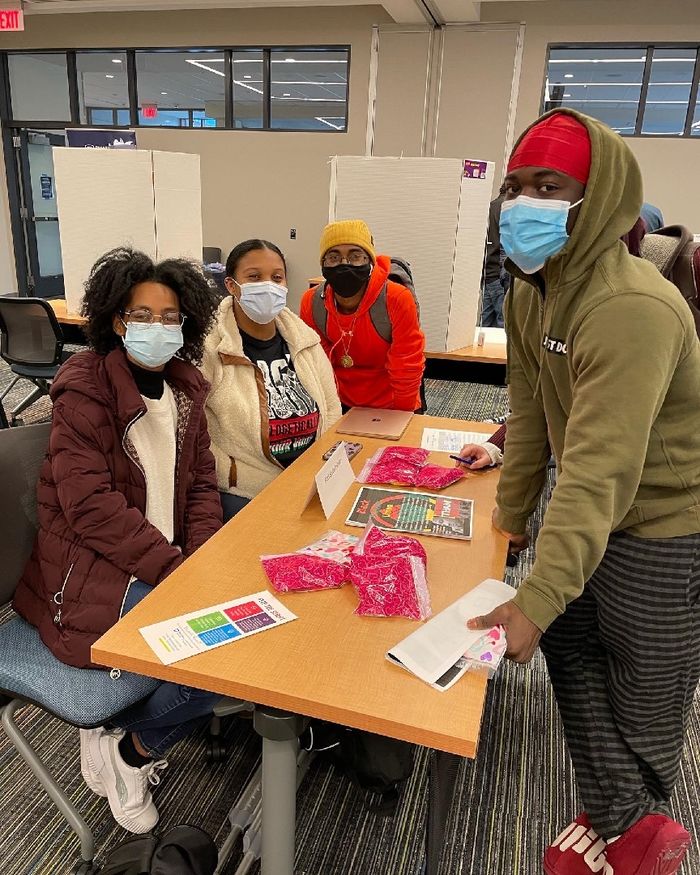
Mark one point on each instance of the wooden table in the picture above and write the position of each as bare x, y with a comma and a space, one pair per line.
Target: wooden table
64, 317
489, 353
328, 664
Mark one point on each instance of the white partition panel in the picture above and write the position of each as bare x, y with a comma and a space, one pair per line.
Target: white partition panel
178, 205
427, 211
105, 199
110, 197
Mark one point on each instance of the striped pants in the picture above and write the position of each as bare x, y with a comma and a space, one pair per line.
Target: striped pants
624, 661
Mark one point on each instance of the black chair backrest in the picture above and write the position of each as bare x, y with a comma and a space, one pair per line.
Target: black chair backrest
211, 255
29, 332
22, 452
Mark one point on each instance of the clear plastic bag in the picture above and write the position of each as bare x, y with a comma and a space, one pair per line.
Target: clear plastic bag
438, 477
300, 572
389, 576
407, 466
333, 545
397, 466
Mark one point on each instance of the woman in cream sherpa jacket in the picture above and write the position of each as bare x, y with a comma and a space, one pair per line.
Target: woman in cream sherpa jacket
237, 406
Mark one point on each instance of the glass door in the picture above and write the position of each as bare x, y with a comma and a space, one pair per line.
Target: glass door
39, 212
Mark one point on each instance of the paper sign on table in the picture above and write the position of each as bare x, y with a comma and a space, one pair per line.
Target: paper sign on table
442, 440
420, 513
334, 480
189, 634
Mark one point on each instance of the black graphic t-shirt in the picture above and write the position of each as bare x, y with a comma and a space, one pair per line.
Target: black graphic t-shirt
293, 412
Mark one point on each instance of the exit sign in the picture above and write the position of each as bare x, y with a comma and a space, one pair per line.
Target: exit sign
11, 19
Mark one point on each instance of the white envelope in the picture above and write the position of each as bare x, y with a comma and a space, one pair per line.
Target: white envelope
437, 645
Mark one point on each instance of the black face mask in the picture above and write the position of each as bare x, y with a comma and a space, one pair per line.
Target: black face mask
347, 280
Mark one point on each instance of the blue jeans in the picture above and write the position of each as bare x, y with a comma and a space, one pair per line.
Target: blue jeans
171, 712
231, 504
492, 304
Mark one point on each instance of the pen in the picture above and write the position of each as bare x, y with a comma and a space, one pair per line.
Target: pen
467, 461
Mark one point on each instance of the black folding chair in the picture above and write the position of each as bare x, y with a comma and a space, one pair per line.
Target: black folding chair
31, 342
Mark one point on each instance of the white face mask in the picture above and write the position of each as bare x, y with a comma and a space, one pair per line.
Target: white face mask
262, 302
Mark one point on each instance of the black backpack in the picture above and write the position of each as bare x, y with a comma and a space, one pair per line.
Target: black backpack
183, 850
372, 762
399, 272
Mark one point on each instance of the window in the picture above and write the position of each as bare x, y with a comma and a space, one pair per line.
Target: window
102, 85
174, 85
39, 86
248, 88
637, 90
308, 90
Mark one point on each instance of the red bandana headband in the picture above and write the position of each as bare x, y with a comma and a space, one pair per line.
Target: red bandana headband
560, 142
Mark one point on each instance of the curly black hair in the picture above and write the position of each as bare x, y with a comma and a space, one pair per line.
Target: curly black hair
109, 286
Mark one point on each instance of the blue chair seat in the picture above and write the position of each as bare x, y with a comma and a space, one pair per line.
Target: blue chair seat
82, 697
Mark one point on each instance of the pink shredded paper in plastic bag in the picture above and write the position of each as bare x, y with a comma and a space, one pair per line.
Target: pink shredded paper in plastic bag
407, 466
398, 466
299, 572
438, 477
389, 576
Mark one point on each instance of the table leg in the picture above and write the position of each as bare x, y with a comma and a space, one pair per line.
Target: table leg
280, 733
442, 777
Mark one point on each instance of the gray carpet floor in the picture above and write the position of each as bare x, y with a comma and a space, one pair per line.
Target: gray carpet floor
509, 803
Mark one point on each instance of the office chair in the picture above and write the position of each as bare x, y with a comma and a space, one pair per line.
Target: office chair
31, 342
29, 673
211, 255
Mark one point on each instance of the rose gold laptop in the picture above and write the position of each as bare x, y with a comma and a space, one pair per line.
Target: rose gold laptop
370, 422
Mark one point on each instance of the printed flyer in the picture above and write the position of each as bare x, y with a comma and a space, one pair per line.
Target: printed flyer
421, 513
176, 639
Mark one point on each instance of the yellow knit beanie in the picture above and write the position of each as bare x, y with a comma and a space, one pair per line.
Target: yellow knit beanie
349, 231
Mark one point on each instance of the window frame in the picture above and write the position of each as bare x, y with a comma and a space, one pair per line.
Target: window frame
8, 119
648, 48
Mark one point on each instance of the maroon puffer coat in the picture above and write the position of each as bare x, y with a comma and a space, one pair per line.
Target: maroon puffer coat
93, 535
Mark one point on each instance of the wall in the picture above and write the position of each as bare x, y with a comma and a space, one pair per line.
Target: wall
253, 183
669, 165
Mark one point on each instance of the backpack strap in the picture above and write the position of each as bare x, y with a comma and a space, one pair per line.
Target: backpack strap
379, 314
318, 309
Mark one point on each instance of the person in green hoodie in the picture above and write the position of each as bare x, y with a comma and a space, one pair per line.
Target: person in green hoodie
604, 371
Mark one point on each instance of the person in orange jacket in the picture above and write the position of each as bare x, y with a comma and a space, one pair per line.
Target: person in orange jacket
370, 371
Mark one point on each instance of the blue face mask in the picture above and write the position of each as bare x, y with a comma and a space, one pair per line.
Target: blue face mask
533, 230
152, 345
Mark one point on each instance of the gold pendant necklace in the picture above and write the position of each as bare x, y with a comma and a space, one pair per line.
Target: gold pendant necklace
346, 360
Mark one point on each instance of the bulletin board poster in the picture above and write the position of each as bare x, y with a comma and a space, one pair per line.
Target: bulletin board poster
475, 169
420, 513
94, 138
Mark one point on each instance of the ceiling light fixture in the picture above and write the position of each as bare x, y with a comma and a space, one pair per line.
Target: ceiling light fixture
568, 75
164, 93
109, 76
116, 60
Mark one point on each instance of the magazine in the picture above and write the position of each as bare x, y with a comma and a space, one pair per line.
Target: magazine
421, 513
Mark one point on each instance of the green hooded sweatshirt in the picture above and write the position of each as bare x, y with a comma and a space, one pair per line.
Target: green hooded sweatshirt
604, 369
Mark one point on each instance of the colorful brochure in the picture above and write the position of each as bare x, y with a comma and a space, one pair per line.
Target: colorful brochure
189, 634
420, 513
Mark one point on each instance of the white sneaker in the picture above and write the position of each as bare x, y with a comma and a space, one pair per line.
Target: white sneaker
127, 788
91, 762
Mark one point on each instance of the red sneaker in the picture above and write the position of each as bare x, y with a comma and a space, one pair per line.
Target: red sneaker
655, 845
579, 850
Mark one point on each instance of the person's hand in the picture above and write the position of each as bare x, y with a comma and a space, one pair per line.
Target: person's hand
522, 636
478, 453
516, 543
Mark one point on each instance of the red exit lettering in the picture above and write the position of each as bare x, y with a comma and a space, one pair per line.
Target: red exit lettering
11, 19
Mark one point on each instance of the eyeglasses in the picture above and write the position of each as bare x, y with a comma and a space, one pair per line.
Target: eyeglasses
356, 259
142, 316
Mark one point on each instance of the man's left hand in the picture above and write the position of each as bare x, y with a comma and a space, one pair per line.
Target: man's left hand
522, 636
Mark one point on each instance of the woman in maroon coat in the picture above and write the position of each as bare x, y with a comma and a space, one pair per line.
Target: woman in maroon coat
127, 492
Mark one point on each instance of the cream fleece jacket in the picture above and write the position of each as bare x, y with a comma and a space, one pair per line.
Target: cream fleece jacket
237, 410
